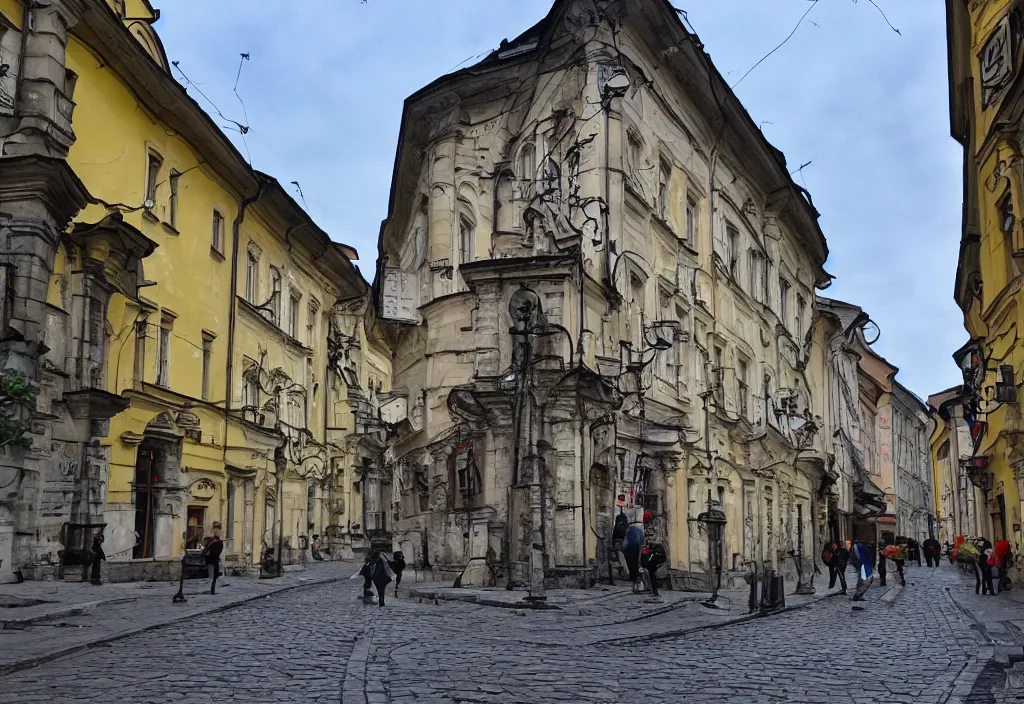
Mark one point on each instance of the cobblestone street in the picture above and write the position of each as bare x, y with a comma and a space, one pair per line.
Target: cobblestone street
322, 644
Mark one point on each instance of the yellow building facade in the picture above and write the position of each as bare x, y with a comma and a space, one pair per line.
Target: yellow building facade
233, 372
986, 99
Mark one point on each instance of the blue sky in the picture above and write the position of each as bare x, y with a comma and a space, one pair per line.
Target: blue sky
868, 108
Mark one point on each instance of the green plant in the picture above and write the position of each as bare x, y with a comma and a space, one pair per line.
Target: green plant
17, 402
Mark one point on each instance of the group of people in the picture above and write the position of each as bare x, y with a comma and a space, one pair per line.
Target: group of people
866, 556
377, 571
643, 559
990, 563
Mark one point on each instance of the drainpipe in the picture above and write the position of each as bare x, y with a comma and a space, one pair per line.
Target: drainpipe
232, 307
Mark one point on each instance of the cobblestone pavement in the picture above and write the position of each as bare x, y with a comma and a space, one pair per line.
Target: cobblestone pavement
322, 644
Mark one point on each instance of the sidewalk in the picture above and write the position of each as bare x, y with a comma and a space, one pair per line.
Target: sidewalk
44, 620
1000, 618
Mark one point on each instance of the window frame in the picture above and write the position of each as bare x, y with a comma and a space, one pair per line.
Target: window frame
173, 179
664, 178
467, 234
154, 162
163, 357
208, 338
276, 295
784, 287
692, 221
743, 387
732, 242
139, 353
294, 306
252, 276
217, 232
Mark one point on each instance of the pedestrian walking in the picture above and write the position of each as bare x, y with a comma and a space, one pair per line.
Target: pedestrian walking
366, 573
835, 557
932, 551
901, 559
397, 565
380, 577
212, 553
631, 546
989, 568
882, 566
860, 556
97, 556
653, 556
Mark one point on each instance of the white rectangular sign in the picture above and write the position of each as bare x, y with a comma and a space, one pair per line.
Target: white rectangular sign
400, 298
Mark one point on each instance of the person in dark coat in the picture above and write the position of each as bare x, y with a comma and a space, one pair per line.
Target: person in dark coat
212, 553
365, 573
652, 557
380, 577
932, 551
97, 556
882, 564
397, 564
984, 568
632, 544
835, 557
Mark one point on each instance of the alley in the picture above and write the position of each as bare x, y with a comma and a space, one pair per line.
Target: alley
322, 644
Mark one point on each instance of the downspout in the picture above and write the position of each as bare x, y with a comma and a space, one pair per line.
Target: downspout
235, 239
232, 307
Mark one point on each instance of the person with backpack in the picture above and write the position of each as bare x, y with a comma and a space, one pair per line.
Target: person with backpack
860, 556
900, 558
397, 565
380, 577
632, 544
835, 557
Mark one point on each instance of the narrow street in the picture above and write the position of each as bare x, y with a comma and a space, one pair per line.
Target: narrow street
322, 644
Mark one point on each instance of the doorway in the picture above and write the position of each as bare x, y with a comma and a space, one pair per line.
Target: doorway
194, 531
999, 519
145, 476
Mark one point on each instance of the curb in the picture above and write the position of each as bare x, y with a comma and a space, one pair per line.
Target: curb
474, 599
9, 668
632, 640
73, 610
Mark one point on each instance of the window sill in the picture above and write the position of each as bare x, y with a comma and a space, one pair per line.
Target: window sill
216, 253
149, 215
170, 228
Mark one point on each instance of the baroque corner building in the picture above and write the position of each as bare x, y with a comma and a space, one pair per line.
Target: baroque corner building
986, 88
231, 388
53, 339
603, 283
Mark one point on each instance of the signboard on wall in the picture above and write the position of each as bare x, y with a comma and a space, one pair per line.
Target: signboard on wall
400, 296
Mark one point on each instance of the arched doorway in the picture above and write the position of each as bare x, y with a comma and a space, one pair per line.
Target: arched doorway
157, 487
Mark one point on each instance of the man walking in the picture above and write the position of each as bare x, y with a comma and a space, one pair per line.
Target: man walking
860, 556
932, 551
835, 557
212, 554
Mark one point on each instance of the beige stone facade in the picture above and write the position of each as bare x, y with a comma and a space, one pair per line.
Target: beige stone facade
604, 279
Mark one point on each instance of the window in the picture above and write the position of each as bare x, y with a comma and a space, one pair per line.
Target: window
250, 384
466, 234
172, 203
141, 329
311, 317
743, 388
664, 171
229, 524
163, 368
217, 237
528, 163
252, 276
783, 299
634, 152
1007, 223
801, 309
756, 272
691, 222
733, 255
719, 373
152, 175
275, 295
208, 338
293, 314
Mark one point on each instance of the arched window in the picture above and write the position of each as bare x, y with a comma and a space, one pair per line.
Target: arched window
528, 163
